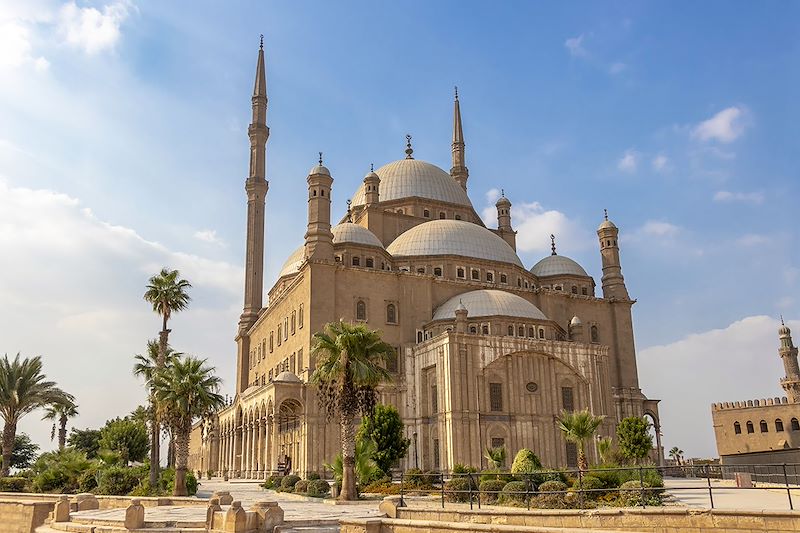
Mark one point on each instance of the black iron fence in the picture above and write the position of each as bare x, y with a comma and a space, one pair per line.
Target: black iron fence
631, 486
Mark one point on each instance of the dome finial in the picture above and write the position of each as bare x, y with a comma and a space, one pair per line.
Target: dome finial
349, 215
409, 150
456, 87
782, 323
320, 158
605, 214
502, 193
371, 167
261, 45
553, 244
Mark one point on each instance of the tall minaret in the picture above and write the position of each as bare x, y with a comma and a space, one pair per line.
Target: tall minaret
256, 186
613, 282
788, 353
459, 171
318, 238
504, 228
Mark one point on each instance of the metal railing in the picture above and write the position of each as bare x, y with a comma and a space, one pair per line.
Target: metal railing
643, 492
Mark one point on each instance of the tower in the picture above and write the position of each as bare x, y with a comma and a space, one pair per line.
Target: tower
371, 187
504, 228
318, 238
459, 170
788, 353
613, 282
256, 187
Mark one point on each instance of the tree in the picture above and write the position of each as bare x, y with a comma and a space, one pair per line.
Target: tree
185, 391
85, 440
60, 413
525, 462
145, 367
676, 454
24, 453
126, 437
365, 467
633, 436
349, 369
23, 389
579, 427
166, 292
496, 457
385, 429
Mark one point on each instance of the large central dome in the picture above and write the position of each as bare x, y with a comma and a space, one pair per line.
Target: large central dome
411, 177
453, 237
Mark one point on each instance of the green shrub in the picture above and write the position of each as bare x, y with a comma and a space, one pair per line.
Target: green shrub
514, 492
301, 487
272, 482
457, 489
588, 483
415, 478
610, 478
13, 484
318, 488
288, 483
459, 468
58, 472
525, 462
490, 489
649, 475
87, 481
494, 474
117, 481
191, 484
312, 476
383, 486
552, 486
551, 495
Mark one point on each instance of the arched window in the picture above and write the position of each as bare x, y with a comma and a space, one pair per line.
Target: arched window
442, 215
558, 287
595, 335
356, 261
511, 330
531, 332
584, 291
750, 427
526, 283
294, 321
361, 310
458, 217
764, 427
286, 328
503, 278
541, 333
391, 314
737, 428
419, 336
795, 425
437, 271
300, 317
519, 282
485, 329
370, 262
489, 277
426, 213
521, 331
574, 289
280, 334
473, 329
401, 211
778, 425
475, 274
460, 272
420, 270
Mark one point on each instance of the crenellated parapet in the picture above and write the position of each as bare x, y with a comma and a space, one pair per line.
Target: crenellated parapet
746, 404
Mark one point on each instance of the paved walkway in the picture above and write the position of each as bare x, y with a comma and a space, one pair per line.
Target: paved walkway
694, 493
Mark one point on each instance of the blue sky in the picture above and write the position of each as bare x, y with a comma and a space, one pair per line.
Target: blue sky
123, 147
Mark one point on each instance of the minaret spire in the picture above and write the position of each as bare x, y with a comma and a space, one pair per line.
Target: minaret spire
459, 170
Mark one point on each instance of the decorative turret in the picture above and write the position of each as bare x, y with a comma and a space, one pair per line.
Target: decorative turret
504, 228
256, 187
576, 329
371, 185
459, 170
788, 353
461, 317
613, 281
318, 238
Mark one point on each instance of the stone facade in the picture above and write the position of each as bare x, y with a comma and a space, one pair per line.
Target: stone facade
488, 352
767, 430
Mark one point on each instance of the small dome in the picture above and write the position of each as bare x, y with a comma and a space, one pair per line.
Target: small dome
557, 265
461, 306
353, 233
287, 377
453, 237
575, 321
503, 201
606, 224
489, 302
408, 178
319, 169
371, 176
292, 264
784, 330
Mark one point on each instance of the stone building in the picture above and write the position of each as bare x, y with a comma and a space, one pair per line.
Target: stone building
765, 431
488, 351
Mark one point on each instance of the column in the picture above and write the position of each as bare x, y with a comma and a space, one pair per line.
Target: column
270, 459
237, 450
247, 450
260, 448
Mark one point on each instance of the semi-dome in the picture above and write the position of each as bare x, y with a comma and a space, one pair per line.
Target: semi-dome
557, 265
293, 263
287, 377
411, 177
453, 237
489, 302
353, 233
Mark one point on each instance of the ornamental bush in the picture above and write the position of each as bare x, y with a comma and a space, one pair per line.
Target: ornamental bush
272, 482
552, 486
514, 492
318, 488
491, 489
525, 462
117, 480
13, 484
301, 487
457, 489
588, 483
288, 483
495, 474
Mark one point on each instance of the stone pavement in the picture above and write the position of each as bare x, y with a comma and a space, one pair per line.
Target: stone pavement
727, 496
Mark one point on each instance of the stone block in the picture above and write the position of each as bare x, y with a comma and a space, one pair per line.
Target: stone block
211, 511
86, 501
134, 515
224, 497
235, 518
389, 506
61, 509
163, 502
269, 515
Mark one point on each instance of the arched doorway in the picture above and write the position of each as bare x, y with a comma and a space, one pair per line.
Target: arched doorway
288, 430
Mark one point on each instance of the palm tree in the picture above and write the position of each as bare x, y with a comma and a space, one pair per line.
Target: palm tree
579, 427
60, 413
349, 359
605, 447
496, 457
146, 367
23, 389
185, 391
676, 454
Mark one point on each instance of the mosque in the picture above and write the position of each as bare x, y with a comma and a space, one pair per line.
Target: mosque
488, 351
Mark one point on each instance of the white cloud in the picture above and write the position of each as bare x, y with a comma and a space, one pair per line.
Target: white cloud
752, 239
660, 163
657, 228
690, 374
628, 162
575, 46
16, 48
744, 197
617, 67
534, 225
91, 29
209, 236
725, 127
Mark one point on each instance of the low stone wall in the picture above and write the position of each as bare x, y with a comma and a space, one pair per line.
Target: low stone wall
394, 525
106, 502
23, 516
649, 520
